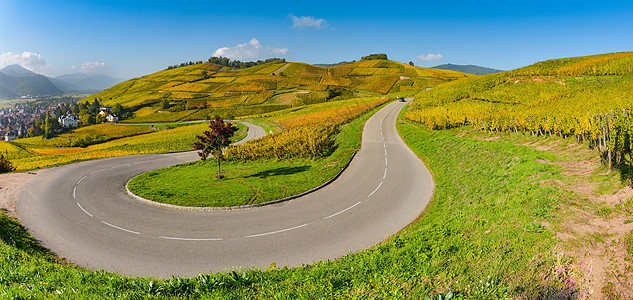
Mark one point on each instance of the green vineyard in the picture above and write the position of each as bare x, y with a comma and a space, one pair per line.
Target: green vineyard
585, 98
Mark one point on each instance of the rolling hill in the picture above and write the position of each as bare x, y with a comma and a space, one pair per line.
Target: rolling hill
199, 90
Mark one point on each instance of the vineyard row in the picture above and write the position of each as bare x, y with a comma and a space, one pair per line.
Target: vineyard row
611, 133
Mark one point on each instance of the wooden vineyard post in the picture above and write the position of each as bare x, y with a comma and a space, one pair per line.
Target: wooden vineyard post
590, 133
607, 139
629, 147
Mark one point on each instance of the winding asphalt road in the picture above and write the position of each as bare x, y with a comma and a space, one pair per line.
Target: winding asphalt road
82, 212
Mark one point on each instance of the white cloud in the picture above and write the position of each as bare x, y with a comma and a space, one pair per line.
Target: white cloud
252, 50
92, 68
308, 22
28, 60
431, 57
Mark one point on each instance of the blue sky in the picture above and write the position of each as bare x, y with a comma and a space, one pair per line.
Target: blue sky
133, 38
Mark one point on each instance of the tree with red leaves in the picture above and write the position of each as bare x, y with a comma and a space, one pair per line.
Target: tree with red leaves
213, 142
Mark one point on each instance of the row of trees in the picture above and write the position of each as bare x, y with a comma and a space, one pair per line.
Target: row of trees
233, 64
236, 64
378, 56
190, 63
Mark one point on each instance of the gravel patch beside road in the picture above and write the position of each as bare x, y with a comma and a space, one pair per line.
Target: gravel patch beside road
10, 186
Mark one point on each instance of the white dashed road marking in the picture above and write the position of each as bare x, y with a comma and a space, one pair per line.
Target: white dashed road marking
342, 211
84, 209
375, 190
119, 228
278, 231
188, 239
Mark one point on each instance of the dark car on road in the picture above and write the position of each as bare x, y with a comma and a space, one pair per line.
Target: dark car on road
401, 99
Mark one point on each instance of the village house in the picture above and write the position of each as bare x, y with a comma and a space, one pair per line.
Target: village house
68, 120
9, 136
112, 118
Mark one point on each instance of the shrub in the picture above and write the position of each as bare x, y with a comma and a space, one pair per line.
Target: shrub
5, 165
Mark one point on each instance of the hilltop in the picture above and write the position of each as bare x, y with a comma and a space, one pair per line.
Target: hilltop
199, 90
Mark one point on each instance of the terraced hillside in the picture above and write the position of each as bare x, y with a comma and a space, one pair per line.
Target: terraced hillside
197, 91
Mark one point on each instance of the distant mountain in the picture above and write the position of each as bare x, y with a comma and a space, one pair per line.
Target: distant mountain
63, 85
16, 81
470, 69
17, 71
19, 81
5, 90
92, 82
331, 65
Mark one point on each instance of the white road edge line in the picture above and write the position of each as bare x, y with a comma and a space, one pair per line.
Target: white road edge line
82, 178
84, 210
189, 239
342, 211
278, 231
119, 228
385, 161
385, 175
375, 190
74, 193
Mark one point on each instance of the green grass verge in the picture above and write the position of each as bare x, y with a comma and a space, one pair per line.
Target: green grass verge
247, 182
481, 237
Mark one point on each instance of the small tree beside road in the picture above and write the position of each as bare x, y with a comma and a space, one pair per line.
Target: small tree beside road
213, 142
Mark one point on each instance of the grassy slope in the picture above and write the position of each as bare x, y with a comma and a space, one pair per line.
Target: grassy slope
480, 237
